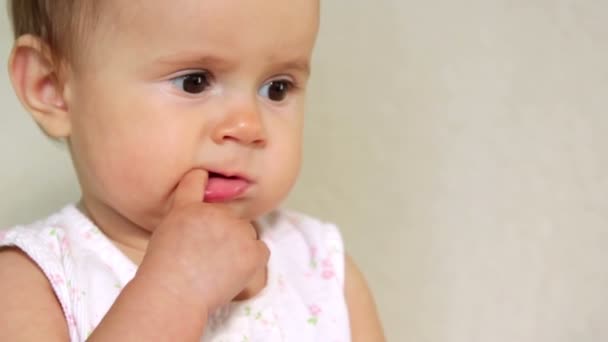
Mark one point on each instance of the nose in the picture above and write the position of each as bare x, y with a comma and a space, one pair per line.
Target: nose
242, 125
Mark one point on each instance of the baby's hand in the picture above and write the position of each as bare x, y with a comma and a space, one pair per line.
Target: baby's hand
200, 252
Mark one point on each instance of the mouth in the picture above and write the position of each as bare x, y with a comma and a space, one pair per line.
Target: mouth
225, 187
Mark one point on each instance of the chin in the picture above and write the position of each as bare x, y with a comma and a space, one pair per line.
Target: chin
252, 211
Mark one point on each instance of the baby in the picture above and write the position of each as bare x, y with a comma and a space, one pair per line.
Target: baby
184, 122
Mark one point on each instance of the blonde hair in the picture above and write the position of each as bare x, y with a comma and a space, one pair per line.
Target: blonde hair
60, 24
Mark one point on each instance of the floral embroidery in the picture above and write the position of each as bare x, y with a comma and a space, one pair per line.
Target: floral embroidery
313, 262
92, 232
70, 319
327, 266
327, 274
315, 311
65, 244
76, 293
313, 257
262, 318
328, 269
56, 279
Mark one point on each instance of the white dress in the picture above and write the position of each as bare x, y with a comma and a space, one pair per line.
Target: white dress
302, 301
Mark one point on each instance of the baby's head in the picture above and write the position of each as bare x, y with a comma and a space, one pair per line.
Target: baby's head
144, 92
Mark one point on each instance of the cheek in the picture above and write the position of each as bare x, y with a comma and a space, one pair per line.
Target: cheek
127, 152
132, 169
292, 149
281, 168
284, 161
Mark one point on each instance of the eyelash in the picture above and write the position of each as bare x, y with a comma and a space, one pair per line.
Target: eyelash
288, 87
205, 79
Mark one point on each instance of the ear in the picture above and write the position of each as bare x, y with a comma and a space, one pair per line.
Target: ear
35, 78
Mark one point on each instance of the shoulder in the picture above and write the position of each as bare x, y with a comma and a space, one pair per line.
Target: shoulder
43, 241
28, 301
32, 267
51, 241
285, 224
364, 319
310, 246
291, 229
307, 261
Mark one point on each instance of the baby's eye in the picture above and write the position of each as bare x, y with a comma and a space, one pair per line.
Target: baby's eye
194, 83
276, 90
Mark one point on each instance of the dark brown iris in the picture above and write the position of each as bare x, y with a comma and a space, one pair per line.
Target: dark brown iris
195, 83
277, 91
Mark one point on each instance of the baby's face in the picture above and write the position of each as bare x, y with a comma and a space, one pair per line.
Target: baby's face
172, 86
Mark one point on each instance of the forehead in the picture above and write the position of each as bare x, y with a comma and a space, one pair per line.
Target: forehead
225, 26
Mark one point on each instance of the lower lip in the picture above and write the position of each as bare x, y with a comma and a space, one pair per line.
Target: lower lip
224, 189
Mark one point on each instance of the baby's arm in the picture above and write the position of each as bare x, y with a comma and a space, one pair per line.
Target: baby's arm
364, 320
29, 310
147, 312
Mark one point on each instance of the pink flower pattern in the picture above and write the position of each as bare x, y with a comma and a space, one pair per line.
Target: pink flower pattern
319, 266
328, 269
315, 311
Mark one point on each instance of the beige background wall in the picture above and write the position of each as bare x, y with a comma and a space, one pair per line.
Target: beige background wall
462, 147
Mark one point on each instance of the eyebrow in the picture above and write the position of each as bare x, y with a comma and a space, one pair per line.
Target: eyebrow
302, 65
179, 59
298, 64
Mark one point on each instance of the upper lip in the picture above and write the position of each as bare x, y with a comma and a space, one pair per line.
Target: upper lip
230, 174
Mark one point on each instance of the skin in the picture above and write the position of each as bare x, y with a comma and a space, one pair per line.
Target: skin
143, 146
